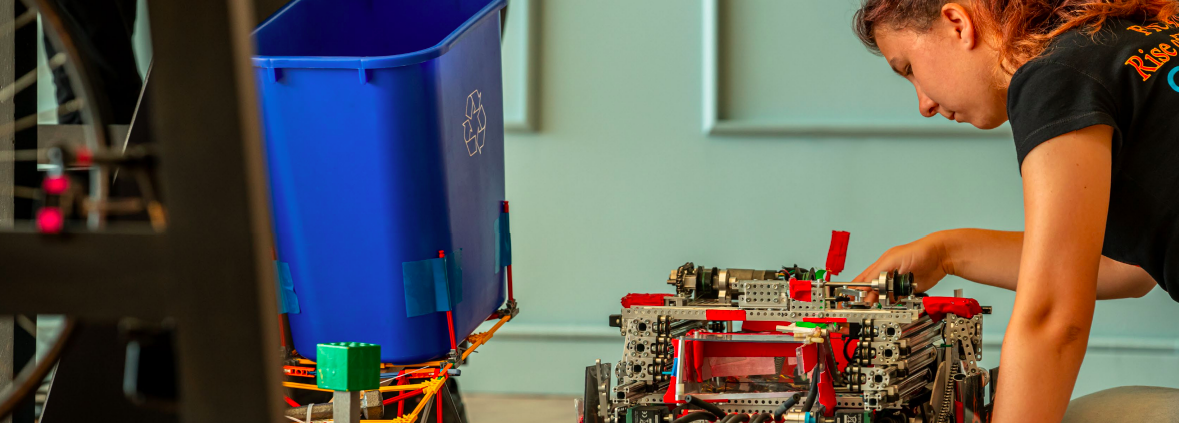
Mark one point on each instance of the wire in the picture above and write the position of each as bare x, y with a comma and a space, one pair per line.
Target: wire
847, 342
790, 402
816, 374
695, 416
716, 411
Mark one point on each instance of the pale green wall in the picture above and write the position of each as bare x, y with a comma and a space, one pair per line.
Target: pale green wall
620, 184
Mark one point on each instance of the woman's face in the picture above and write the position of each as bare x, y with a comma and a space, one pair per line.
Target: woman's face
955, 74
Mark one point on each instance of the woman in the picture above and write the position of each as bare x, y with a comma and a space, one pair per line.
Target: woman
1091, 88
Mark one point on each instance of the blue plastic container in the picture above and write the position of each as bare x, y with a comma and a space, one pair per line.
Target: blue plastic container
383, 122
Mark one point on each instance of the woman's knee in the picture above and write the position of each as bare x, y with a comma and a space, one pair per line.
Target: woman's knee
1125, 404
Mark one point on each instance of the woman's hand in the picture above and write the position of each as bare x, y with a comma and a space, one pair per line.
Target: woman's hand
927, 258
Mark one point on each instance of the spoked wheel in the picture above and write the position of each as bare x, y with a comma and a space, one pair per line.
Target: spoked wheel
77, 170
75, 193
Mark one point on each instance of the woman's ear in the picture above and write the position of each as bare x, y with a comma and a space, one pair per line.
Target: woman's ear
958, 22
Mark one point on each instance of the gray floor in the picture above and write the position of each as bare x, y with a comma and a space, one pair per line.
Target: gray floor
493, 408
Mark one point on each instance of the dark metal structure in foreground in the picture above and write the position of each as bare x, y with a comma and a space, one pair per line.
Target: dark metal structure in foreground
209, 274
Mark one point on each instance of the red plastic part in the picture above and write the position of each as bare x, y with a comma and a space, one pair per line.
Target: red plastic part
810, 359
438, 400
643, 300
511, 295
55, 185
749, 349
827, 392
50, 220
837, 253
800, 290
732, 315
450, 326
290, 401
762, 326
669, 395
838, 343
84, 155
297, 371
397, 399
938, 307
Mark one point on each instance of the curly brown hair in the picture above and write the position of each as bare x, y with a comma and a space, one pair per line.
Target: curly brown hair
1023, 28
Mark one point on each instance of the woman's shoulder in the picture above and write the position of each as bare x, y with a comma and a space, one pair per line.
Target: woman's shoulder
1086, 46
1122, 49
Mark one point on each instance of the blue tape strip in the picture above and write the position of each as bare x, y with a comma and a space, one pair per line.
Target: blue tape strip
441, 292
454, 276
285, 286
503, 241
419, 279
433, 285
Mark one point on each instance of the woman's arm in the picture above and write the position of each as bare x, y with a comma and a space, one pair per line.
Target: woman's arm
992, 258
1066, 198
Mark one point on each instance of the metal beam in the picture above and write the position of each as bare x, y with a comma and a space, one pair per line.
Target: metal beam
84, 275
74, 136
219, 250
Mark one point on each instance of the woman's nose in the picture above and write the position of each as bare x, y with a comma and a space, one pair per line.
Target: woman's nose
927, 106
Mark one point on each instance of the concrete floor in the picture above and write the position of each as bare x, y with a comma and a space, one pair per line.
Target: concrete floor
493, 408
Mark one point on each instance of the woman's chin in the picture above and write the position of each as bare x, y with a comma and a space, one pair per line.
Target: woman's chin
986, 124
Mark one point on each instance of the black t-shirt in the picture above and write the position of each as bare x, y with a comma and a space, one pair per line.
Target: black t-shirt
1125, 76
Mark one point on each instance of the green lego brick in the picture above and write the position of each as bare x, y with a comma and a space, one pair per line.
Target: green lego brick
348, 366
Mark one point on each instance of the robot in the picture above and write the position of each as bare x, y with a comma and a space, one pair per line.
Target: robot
791, 345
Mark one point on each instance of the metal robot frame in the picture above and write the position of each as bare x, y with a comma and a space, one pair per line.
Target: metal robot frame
836, 356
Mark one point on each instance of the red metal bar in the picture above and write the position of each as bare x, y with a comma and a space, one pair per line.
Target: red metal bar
282, 332
511, 296
400, 403
450, 326
398, 399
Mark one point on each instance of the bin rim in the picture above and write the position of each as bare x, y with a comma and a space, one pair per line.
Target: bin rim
373, 62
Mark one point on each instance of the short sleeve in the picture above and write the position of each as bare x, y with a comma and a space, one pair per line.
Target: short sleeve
1047, 99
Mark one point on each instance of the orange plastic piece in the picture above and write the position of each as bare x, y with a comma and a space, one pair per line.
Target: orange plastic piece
298, 371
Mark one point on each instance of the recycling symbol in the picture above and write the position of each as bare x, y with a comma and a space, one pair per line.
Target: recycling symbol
475, 127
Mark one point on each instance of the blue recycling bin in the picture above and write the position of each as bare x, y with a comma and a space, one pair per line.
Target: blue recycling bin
383, 123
